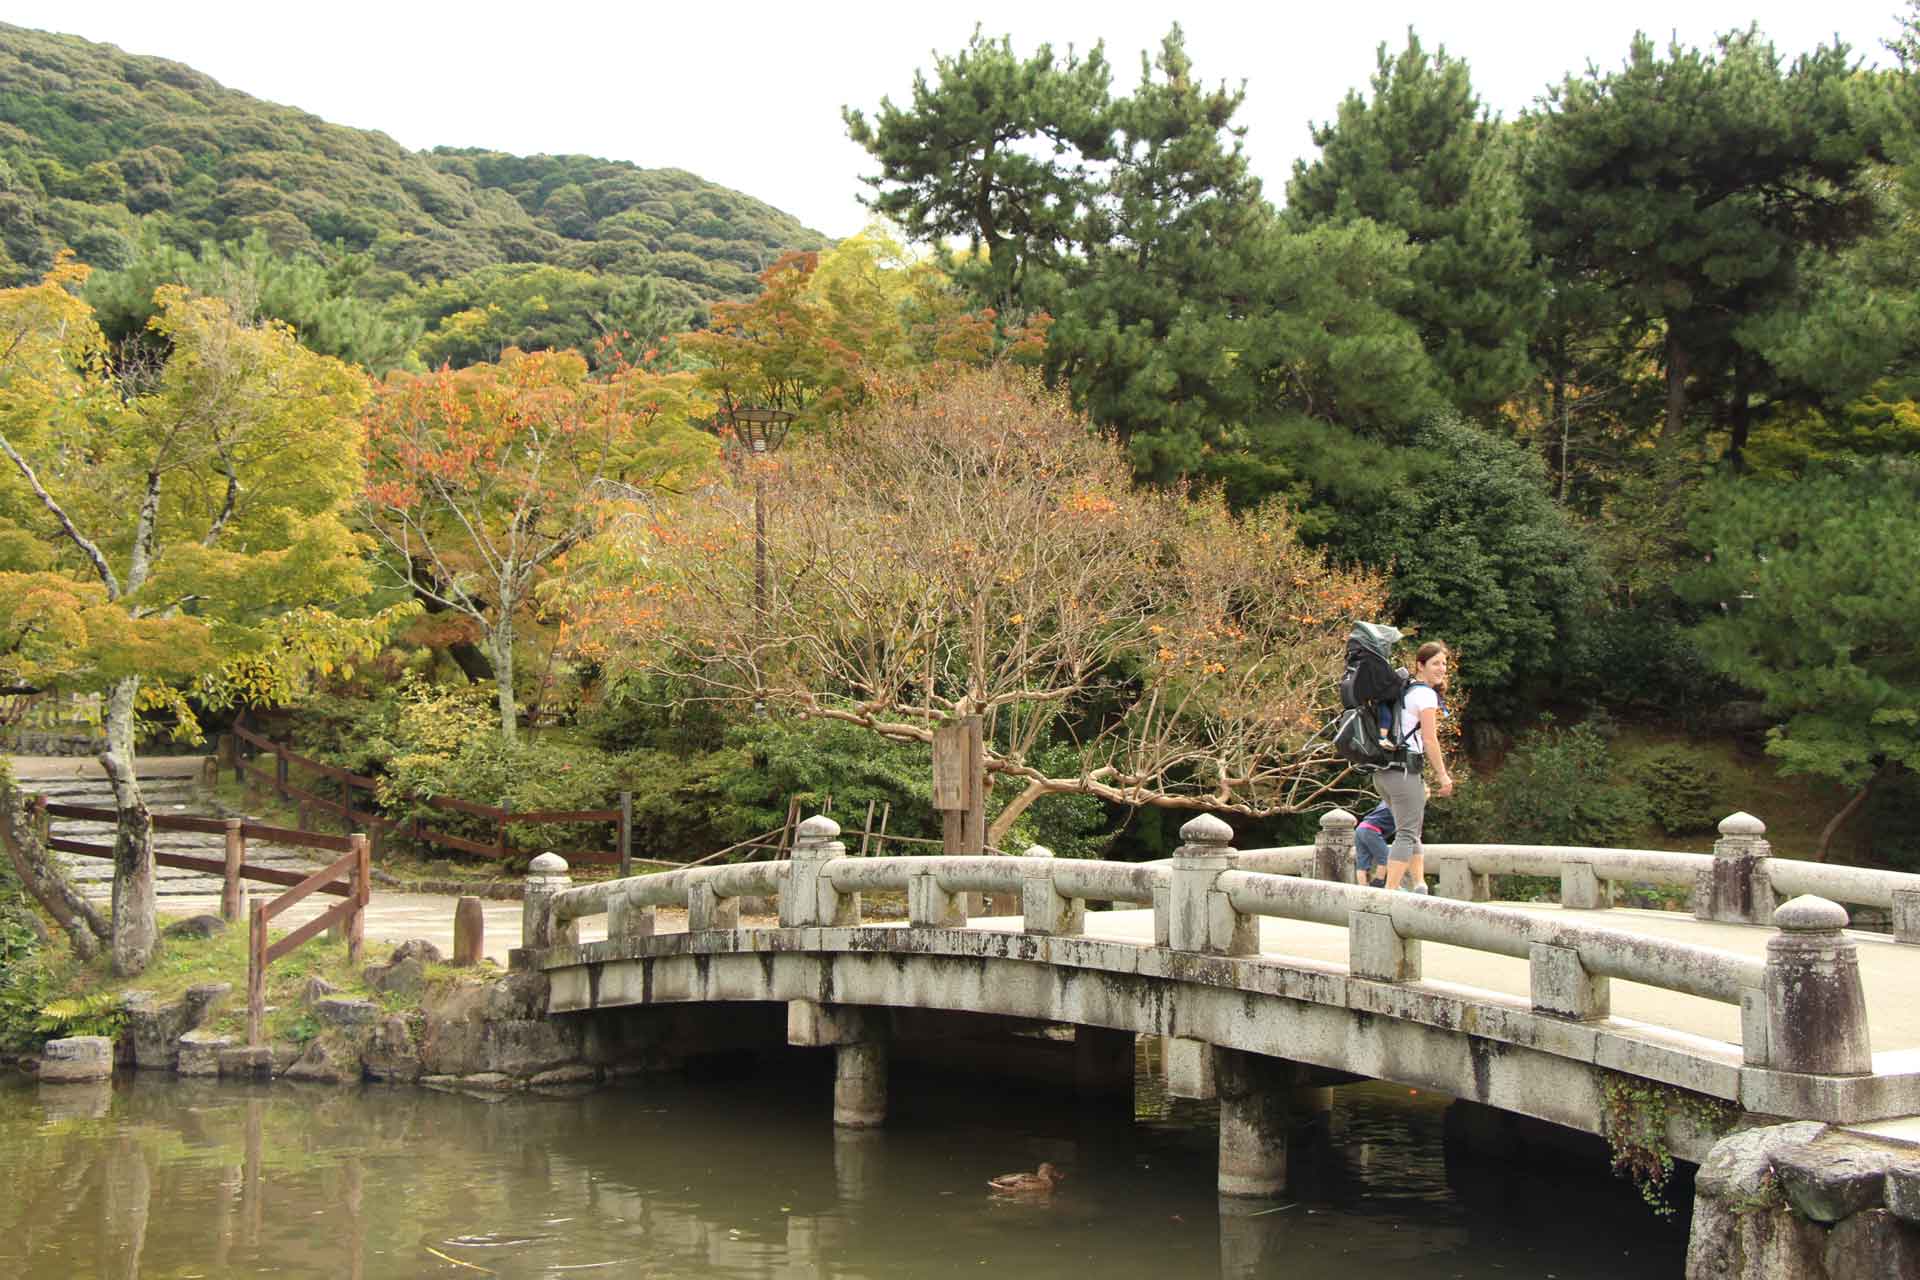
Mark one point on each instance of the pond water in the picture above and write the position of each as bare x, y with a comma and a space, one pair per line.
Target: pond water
744, 1176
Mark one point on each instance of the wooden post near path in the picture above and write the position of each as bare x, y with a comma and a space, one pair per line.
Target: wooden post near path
959, 792
469, 932
625, 845
231, 895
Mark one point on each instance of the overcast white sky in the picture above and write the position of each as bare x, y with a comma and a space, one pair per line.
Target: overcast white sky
748, 94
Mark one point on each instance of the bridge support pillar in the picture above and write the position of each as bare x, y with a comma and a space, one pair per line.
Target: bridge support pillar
860, 1085
1103, 1061
1189, 1068
1256, 1095
859, 1038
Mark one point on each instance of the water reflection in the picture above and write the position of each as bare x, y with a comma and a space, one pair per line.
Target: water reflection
747, 1178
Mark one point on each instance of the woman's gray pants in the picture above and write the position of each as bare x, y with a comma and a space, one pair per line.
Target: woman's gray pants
1405, 790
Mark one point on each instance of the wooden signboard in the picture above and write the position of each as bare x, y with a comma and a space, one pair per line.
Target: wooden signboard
959, 758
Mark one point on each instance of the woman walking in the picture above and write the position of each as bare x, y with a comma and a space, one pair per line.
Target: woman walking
1404, 786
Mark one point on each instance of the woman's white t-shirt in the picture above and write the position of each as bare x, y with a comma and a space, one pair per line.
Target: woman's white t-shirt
1417, 698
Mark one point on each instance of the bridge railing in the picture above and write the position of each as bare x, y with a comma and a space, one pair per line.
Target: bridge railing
1739, 882
1801, 1010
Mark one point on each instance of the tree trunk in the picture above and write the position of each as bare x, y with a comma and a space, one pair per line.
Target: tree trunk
42, 878
1004, 821
500, 641
134, 927
1739, 417
1847, 810
1676, 385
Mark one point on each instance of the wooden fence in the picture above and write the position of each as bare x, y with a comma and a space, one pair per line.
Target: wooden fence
251, 772
232, 868
351, 877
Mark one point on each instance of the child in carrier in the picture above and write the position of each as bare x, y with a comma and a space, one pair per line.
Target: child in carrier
1386, 712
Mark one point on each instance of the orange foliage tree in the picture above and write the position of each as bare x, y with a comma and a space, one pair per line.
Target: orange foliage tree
480, 481
977, 548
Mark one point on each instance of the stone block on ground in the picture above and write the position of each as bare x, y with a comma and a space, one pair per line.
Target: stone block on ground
577, 1073
390, 1053
1903, 1190
315, 990
1833, 1177
247, 1063
200, 926
420, 947
200, 1000
1871, 1245
327, 1060
200, 1053
337, 1011
76, 1058
154, 1030
405, 976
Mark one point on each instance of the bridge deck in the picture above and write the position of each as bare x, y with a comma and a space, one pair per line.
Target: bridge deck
1889, 971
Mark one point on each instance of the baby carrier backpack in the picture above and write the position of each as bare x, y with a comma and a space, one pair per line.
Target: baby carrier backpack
1367, 733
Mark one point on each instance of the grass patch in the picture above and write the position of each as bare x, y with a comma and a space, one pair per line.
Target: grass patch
179, 963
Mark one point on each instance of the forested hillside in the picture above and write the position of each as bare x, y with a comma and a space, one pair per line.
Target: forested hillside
105, 151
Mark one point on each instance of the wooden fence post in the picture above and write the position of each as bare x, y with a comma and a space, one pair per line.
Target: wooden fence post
230, 898
280, 770
362, 895
500, 826
626, 833
256, 972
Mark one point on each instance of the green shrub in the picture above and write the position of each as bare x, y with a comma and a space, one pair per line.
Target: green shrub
1556, 787
25, 979
1682, 787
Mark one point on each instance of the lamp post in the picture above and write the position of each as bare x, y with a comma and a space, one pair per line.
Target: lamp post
758, 432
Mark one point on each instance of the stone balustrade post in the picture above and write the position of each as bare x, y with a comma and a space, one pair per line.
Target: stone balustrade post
1376, 950
1906, 915
1581, 887
707, 910
1816, 1009
1737, 888
931, 907
626, 919
546, 877
1562, 987
1333, 846
1046, 910
1459, 881
1199, 917
807, 897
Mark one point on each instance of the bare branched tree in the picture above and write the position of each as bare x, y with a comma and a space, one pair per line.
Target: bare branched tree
978, 549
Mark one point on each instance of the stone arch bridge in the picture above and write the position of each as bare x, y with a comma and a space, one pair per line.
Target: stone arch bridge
1271, 975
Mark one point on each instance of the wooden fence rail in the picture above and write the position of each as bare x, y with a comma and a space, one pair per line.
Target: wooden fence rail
233, 868
349, 877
